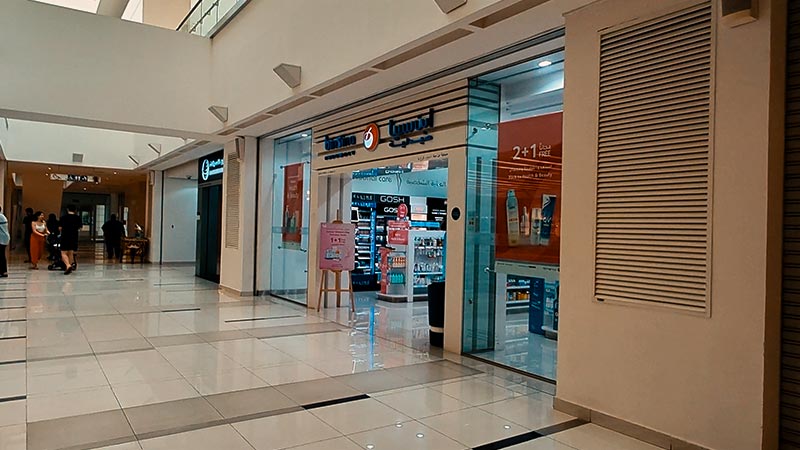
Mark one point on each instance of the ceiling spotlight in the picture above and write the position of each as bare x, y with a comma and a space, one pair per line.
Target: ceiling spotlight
399, 425
545, 63
507, 427
115, 173
304, 135
420, 435
289, 73
220, 112
84, 189
49, 168
370, 446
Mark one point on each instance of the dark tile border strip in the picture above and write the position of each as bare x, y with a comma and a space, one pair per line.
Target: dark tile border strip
180, 310
336, 401
130, 279
13, 298
192, 290
13, 399
253, 319
13, 361
510, 441
13, 320
559, 427
531, 435
13, 307
5, 338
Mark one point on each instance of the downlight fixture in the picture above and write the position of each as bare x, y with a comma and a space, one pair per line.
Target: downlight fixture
545, 63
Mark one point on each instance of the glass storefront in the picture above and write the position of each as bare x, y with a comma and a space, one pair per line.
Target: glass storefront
290, 217
513, 215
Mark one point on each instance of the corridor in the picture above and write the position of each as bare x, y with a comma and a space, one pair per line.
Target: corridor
147, 357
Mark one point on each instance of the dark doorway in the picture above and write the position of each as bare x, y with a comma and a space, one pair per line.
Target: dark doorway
209, 232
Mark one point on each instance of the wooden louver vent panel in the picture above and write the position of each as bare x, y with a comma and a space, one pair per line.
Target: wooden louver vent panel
232, 186
653, 167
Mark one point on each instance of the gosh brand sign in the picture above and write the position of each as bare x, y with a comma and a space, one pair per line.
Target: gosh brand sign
399, 131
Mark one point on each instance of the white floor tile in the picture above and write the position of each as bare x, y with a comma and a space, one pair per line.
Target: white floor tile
285, 431
405, 436
473, 427
593, 437
341, 443
145, 393
73, 403
214, 438
360, 415
476, 392
227, 381
543, 443
12, 380
288, 373
419, 403
528, 411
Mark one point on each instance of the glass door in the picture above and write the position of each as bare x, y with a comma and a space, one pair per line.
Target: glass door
512, 252
290, 218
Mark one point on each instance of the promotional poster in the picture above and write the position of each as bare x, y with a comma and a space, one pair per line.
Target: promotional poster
529, 189
337, 246
292, 234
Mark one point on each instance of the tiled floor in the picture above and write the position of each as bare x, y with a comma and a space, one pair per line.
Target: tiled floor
146, 357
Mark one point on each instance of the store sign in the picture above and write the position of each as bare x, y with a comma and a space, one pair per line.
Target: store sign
528, 207
372, 137
292, 229
397, 231
387, 204
211, 167
400, 132
339, 142
337, 246
74, 178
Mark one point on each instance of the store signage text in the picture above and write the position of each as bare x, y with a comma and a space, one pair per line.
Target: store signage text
339, 155
74, 178
211, 167
339, 142
400, 131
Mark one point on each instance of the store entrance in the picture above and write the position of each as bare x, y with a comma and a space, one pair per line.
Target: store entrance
209, 233
400, 213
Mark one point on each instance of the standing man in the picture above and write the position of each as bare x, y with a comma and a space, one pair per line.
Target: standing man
27, 222
71, 225
5, 239
112, 235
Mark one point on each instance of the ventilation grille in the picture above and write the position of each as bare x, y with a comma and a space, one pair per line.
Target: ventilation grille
77, 157
653, 172
232, 185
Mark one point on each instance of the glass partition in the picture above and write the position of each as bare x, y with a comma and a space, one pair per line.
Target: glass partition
513, 215
208, 16
290, 210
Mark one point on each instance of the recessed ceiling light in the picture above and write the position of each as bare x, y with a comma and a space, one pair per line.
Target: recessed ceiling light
420, 435
399, 425
370, 446
115, 173
304, 135
84, 189
507, 427
545, 63
49, 168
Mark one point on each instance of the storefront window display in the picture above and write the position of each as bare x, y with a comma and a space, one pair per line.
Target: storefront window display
513, 224
290, 213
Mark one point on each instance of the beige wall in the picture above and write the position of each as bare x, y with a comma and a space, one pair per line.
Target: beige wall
165, 13
701, 379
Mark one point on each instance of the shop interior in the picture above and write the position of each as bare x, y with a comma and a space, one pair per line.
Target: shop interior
400, 212
514, 321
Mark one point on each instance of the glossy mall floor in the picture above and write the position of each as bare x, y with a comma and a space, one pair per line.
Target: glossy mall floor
131, 357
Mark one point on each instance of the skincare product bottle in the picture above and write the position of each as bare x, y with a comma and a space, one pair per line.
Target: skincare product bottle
525, 223
536, 225
512, 213
548, 211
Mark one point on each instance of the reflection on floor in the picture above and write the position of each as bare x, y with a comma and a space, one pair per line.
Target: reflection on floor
524, 350
131, 357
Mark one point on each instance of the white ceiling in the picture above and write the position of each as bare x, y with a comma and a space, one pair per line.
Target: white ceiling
80, 5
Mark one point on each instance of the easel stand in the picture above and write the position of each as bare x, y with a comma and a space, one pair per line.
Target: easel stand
323, 288
323, 283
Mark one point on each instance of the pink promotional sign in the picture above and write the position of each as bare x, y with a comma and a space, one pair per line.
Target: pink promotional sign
337, 246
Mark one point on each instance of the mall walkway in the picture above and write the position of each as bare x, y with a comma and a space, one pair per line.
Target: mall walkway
147, 357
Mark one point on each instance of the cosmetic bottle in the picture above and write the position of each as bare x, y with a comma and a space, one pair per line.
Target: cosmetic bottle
512, 213
548, 211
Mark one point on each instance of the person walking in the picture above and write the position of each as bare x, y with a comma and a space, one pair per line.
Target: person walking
38, 234
26, 223
112, 235
52, 224
70, 227
5, 239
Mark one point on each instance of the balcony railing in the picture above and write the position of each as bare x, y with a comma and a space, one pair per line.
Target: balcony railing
207, 17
